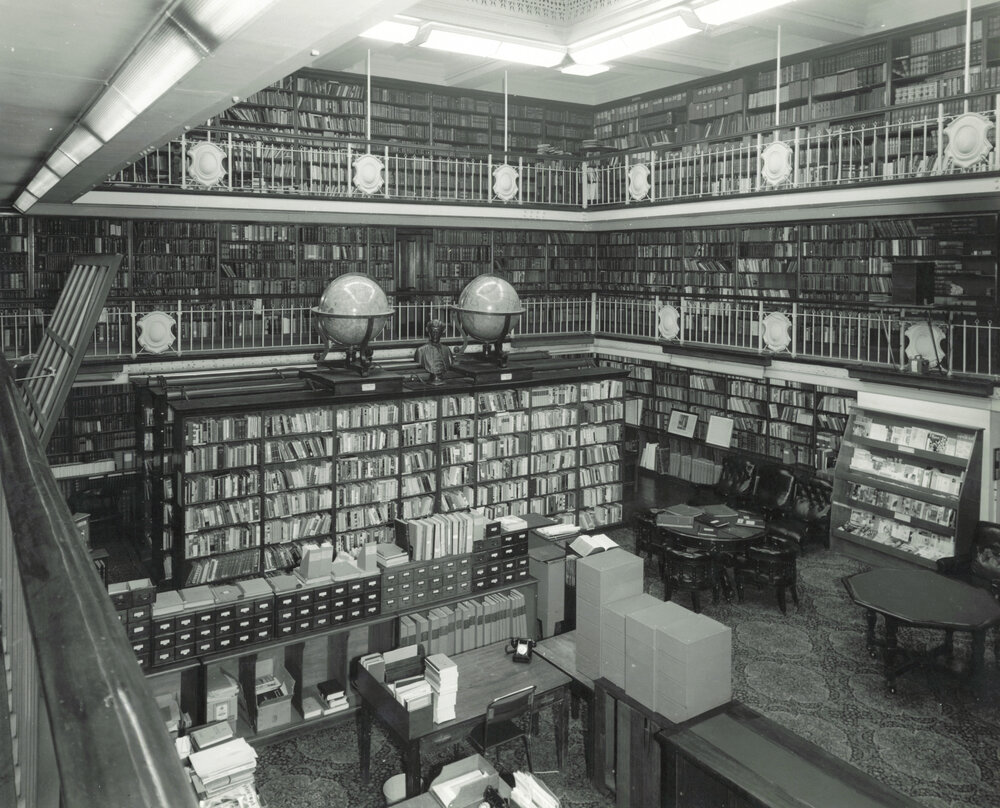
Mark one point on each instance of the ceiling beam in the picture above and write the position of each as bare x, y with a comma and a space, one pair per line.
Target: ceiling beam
815, 25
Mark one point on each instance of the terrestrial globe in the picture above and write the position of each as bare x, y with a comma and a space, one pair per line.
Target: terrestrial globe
352, 310
487, 307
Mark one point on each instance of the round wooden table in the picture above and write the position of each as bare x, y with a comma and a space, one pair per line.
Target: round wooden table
722, 544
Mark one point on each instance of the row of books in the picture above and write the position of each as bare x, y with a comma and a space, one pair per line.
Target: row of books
441, 534
325, 698
468, 624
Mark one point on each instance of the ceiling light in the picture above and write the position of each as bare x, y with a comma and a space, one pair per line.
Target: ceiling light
719, 12
392, 31
43, 181
530, 54
79, 145
156, 66
110, 114
25, 201
221, 18
584, 70
455, 42
60, 163
624, 41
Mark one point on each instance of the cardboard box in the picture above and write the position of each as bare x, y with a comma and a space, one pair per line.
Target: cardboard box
221, 691
470, 792
277, 711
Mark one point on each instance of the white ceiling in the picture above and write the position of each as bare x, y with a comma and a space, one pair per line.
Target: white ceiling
56, 55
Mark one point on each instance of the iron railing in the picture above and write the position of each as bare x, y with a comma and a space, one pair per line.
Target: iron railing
85, 727
881, 336
907, 142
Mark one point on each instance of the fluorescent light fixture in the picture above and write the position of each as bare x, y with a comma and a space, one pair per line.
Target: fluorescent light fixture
43, 181
156, 66
25, 201
455, 42
221, 18
393, 31
60, 163
110, 114
719, 12
79, 145
584, 70
530, 54
623, 42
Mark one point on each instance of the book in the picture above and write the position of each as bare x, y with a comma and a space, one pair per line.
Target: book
586, 545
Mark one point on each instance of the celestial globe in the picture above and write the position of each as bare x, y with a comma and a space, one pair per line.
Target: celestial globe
487, 308
352, 310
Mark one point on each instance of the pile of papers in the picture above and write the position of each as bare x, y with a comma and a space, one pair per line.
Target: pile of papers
413, 692
509, 524
390, 555
530, 792
557, 531
222, 767
442, 675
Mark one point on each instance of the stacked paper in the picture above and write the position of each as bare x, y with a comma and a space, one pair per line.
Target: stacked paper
600, 579
530, 792
390, 555
641, 626
442, 675
694, 660
222, 767
613, 653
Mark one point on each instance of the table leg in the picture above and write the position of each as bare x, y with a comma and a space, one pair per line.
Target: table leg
871, 617
561, 724
411, 759
364, 727
891, 648
978, 651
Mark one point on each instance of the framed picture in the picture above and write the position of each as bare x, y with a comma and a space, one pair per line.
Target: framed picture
682, 423
720, 431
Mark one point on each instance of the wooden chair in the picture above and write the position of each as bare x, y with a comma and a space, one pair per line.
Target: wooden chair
734, 485
508, 718
772, 491
771, 564
808, 517
688, 571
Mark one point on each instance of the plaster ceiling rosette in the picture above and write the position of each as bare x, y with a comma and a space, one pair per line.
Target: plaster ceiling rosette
206, 164
368, 174
968, 139
776, 163
668, 322
505, 182
156, 332
638, 181
776, 331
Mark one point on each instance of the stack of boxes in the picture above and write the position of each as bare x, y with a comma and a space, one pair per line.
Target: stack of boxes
669, 659
601, 579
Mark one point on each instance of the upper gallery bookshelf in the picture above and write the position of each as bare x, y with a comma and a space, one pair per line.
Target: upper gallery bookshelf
328, 104
243, 480
905, 490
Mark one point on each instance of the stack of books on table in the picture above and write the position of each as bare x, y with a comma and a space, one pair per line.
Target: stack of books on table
442, 675
224, 768
390, 555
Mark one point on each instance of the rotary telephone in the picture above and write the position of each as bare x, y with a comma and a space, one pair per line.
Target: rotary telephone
520, 647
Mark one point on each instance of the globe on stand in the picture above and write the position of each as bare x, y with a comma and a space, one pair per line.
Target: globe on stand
486, 310
351, 312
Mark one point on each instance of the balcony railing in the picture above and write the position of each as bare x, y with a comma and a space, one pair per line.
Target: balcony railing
888, 337
908, 143
85, 727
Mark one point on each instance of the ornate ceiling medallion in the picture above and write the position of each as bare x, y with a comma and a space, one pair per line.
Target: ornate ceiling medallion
368, 174
206, 164
968, 139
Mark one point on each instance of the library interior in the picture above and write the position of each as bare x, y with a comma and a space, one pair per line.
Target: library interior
507, 403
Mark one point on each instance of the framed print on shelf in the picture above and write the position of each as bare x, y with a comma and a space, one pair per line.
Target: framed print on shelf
682, 423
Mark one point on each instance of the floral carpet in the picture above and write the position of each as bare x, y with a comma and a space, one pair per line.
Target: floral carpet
937, 739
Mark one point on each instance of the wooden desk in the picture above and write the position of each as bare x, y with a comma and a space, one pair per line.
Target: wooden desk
923, 599
483, 674
561, 652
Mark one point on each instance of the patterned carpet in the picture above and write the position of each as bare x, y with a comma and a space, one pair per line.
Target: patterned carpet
937, 739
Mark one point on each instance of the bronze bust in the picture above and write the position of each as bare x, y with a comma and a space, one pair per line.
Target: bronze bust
432, 356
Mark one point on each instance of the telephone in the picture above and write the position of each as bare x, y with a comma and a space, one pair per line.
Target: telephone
520, 647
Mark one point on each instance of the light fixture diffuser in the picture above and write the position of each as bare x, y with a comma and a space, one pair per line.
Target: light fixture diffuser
222, 18
392, 31
25, 201
43, 181
456, 42
584, 70
530, 54
60, 163
719, 12
626, 41
156, 66
79, 145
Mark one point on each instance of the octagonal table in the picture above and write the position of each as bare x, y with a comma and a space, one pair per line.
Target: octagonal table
922, 599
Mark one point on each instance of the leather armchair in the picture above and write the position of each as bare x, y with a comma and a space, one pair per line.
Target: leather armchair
772, 491
808, 515
734, 486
